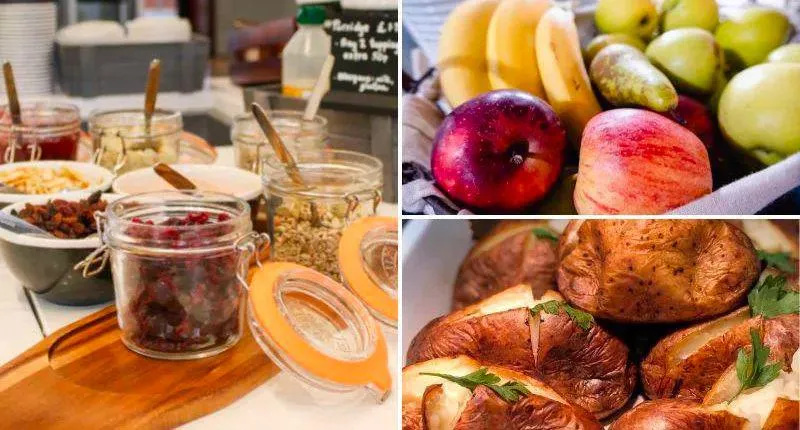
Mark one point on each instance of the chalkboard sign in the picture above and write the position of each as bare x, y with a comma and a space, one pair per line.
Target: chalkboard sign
365, 44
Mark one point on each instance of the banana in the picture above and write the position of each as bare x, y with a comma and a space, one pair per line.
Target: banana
511, 46
564, 76
462, 51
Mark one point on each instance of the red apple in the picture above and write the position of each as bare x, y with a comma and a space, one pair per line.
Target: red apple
501, 151
634, 161
695, 116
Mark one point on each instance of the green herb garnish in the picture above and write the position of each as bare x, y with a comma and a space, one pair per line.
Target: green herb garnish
752, 367
772, 297
511, 391
778, 260
581, 318
543, 233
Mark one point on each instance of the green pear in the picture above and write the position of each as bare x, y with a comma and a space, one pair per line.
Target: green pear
639, 18
625, 78
785, 54
603, 40
689, 13
751, 34
690, 57
758, 111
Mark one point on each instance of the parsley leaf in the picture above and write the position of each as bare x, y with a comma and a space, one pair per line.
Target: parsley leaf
510, 391
579, 317
772, 297
778, 260
543, 233
752, 368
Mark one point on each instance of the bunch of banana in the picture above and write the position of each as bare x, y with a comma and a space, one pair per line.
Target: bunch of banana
517, 44
569, 91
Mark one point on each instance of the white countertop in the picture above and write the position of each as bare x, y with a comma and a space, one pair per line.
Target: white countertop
279, 401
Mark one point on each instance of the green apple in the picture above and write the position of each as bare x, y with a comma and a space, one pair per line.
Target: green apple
689, 13
785, 54
751, 34
758, 111
690, 57
603, 40
638, 18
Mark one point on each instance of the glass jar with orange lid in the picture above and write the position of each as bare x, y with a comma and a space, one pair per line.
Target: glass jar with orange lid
306, 220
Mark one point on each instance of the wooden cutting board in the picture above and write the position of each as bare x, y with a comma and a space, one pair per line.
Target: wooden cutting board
83, 377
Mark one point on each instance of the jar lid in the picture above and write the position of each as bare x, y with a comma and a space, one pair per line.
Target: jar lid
368, 263
313, 327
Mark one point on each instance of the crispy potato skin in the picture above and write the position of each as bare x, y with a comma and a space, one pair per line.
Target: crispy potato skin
543, 409
412, 417
692, 377
521, 258
670, 414
785, 415
484, 411
590, 368
651, 271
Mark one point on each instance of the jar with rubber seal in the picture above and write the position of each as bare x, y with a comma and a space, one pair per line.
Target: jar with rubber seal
318, 331
368, 264
306, 217
47, 132
122, 141
178, 260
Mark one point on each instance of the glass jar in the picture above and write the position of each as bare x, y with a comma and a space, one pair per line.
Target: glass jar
178, 260
48, 132
110, 129
251, 148
306, 221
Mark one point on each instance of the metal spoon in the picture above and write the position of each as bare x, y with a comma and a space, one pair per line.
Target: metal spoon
20, 226
173, 177
150, 94
14, 108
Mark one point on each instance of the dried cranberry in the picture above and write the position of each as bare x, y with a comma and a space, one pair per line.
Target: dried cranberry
186, 302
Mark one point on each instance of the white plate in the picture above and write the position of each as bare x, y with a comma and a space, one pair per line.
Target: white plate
99, 177
223, 179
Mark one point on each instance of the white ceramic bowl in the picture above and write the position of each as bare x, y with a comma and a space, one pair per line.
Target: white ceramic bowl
99, 178
222, 179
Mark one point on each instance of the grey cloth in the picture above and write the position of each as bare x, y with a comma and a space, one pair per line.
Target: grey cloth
421, 119
749, 194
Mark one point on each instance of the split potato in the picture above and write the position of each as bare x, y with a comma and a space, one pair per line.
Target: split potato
687, 363
589, 367
655, 271
775, 406
510, 254
435, 403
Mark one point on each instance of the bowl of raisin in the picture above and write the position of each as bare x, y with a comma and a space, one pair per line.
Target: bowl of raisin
45, 265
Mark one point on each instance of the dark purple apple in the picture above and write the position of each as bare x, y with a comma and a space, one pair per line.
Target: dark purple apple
695, 116
501, 151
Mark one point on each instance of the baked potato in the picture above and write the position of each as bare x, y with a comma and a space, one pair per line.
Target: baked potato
774, 406
588, 365
510, 254
655, 271
687, 363
434, 403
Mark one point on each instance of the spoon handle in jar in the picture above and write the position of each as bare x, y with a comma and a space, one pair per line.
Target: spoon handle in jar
151, 92
319, 90
277, 144
173, 177
11, 92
